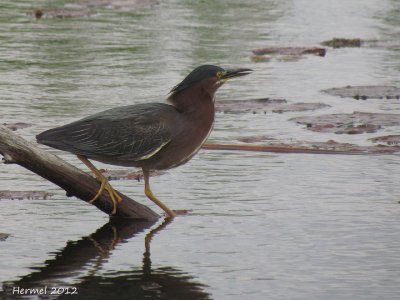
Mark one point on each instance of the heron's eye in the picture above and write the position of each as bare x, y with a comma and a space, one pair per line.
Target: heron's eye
220, 74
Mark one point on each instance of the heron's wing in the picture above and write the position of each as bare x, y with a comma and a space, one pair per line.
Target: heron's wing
132, 132
120, 139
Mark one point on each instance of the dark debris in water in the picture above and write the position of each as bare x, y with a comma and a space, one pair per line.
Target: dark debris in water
355, 123
16, 126
390, 140
330, 146
342, 43
60, 13
293, 51
119, 4
3, 236
379, 44
366, 92
20, 195
84, 8
285, 53
127, 174
264, 105
358, 42
260, 58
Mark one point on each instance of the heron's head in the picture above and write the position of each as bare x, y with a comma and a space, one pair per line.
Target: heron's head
207, 77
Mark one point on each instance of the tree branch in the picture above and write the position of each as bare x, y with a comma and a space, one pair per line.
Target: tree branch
75, 182
343, 149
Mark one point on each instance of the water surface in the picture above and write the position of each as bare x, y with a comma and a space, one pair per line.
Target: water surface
262, 226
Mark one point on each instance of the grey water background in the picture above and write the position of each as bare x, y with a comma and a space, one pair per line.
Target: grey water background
261, 226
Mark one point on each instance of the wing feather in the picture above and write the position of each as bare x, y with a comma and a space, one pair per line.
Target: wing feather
133, 132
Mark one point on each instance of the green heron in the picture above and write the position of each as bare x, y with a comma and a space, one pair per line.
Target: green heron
152, 136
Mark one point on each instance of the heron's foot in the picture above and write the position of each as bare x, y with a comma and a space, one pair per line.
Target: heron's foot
170, 213
104, 250
115, 198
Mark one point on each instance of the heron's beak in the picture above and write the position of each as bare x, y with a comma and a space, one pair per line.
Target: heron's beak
232, 73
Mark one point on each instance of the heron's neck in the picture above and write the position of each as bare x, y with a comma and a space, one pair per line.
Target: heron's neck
192, 100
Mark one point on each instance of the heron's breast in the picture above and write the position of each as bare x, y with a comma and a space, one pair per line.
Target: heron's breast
193, 134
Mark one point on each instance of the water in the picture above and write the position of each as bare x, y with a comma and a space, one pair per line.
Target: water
262, 226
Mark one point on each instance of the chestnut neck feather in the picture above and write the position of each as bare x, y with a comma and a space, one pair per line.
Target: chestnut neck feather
193, 99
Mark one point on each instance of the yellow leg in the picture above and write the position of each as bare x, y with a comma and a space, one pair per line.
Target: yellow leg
105, 185
150, 195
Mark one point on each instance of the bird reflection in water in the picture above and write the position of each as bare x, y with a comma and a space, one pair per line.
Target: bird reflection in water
90, 253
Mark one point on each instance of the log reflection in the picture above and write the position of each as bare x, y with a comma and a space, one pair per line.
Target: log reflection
79, 267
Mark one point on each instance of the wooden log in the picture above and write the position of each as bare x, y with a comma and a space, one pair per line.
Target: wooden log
286, 149
74, 181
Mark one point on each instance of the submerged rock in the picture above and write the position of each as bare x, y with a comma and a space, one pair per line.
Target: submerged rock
355, 123
19, 195
366, 92
264, 105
